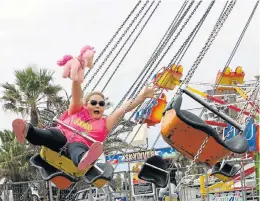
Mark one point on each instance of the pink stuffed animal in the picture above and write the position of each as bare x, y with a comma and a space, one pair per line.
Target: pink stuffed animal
74, 68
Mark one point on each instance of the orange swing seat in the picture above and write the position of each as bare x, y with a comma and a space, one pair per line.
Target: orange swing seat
186, 132
229, 77
152, 114
169, 77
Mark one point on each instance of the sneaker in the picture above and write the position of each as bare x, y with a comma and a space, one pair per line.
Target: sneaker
20, 128
91, 156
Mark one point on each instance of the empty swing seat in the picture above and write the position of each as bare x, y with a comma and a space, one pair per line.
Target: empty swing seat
99, 179
226, 173
150, 174
186, 132
50, 173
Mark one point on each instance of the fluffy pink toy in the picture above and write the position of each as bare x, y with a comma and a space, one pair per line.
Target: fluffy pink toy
74, 68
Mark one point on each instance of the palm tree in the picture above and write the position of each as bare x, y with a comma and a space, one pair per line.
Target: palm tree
33, 89
14, 163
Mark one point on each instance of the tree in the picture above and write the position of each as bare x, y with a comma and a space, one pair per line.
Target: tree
14, 163
32, 90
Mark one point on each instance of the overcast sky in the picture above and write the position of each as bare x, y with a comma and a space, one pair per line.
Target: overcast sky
41, 32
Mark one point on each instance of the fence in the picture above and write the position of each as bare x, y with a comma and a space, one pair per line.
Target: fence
120, 187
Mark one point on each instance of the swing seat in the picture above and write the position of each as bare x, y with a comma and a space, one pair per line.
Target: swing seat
61, 162
152, 114
227, 172
50, 173
186, 132
153, 175
99, 179
168, 78
229, 77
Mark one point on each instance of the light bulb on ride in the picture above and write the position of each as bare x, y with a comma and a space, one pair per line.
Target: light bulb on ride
180, 69
227, 71
239, 70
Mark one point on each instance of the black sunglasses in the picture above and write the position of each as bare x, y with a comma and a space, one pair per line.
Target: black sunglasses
94, 103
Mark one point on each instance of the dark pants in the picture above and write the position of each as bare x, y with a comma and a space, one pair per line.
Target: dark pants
55, 140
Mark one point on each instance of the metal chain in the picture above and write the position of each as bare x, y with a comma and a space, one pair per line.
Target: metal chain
155, 54
114, 36
126, 41
64, 147
201, 55
209, 42
119, 40
196, 28
120, 62
244, 109
170, 45
140, 86
154, 69
167, 39
193, 161
114, 47
191, 36
253, 111
232, 54
139, 90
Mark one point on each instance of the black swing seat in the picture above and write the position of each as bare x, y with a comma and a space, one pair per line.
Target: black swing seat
47, 171
94, 174
150, 174
226, 173
237, 144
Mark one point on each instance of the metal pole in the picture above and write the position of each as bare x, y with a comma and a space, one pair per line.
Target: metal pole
214, 110
90, 198
50, 191
242, 181
129, 180
169, 184
207, 182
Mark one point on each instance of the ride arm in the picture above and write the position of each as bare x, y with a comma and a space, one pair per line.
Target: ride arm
126, 107
76, 99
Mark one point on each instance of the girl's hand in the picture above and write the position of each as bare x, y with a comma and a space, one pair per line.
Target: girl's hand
150, 92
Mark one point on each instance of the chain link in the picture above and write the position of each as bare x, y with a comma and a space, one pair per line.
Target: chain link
185, 23
126, 41
109, 79
140, 86
113, 37
244, 109
193, 161
155, 55
191, 34
201, 55
183, 46
139, 90
114, 47
64, 148
209, 42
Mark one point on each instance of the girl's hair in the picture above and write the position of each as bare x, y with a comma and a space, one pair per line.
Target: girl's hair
64, 60
88, 96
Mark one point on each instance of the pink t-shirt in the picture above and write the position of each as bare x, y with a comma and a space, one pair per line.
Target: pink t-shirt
83, 122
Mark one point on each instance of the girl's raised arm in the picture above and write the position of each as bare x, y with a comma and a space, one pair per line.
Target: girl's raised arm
76, 99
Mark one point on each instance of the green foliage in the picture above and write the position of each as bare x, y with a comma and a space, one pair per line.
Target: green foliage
14, 163
33, 89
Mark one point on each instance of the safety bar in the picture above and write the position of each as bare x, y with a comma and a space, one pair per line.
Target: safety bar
152, 166
214, 110
73, 129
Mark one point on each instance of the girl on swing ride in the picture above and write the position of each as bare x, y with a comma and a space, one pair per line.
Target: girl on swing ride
85, 116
